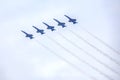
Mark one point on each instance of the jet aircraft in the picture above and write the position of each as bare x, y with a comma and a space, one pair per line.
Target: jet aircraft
60, 23
39, 30
49, 27
28, 35
71, 20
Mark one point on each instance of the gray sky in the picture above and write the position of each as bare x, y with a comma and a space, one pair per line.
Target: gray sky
24, 59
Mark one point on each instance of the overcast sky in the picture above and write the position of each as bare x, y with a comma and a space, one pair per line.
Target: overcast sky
25, 59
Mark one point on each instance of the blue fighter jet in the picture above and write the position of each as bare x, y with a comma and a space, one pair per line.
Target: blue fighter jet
49, 27
39, 30
28, 35
71, 20
60, 23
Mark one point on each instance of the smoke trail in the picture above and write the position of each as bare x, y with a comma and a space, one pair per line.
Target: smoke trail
110, 47
80, 59
81, 38
88, 54
68, 62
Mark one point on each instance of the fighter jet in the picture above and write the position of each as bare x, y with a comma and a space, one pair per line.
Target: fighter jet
49, 27
71, 20
39, 30
28, 35
60, 23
